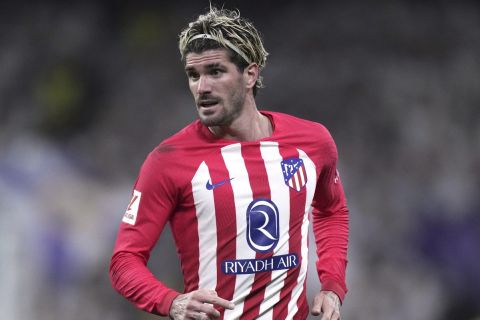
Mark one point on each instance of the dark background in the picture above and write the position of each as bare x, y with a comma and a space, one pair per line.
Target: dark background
87, 89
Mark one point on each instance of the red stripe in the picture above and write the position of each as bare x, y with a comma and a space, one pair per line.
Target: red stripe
299, 177
302, 304
297, 208
260, 189
298, 180
226, 225
187, 220
304, 175
295, 184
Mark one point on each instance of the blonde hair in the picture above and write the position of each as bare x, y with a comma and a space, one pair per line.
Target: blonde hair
230, 31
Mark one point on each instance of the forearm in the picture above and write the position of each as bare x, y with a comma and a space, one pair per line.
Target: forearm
130, 276
331, 237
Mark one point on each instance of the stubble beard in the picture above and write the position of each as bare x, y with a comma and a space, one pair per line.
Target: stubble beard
227, 114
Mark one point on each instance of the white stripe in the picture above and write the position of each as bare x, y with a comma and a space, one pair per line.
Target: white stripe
281, 197
207, 228
302, 175
297, 183
310, 188
235, 164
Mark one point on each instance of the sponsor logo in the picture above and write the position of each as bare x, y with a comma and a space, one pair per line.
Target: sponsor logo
211, 186
248, 266
294, 173
262, 225
130, 215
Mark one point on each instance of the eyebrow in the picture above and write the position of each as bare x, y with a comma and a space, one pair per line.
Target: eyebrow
208, 66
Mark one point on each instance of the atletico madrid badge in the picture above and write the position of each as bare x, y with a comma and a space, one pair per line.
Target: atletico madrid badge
294, 173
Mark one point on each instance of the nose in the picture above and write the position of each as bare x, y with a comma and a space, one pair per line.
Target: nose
203, 85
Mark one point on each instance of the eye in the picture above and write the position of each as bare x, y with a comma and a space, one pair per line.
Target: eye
216, 72
192, 75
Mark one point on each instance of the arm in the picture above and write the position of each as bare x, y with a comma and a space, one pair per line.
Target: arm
152, 203
132, 279
330, 227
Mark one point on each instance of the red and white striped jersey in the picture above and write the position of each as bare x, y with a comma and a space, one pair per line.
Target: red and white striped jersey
239, 213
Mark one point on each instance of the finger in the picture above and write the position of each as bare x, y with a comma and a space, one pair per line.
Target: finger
336, 315
198, 316
327, 315
217, 301
317, 304
327, 310
209, 310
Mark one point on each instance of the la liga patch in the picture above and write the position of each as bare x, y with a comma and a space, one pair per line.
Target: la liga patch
130, 215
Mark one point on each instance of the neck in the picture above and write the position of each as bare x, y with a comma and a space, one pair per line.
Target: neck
251, 125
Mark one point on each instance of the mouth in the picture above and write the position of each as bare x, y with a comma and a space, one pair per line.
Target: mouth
207, 103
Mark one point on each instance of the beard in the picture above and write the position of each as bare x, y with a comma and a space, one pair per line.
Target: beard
226, 112
222, 117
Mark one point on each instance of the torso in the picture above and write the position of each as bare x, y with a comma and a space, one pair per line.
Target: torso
241, 221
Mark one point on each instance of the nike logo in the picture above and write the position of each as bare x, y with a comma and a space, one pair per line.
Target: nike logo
211, 186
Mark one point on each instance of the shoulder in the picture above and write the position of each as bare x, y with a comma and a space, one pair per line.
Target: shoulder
310, 136
178, 143
189, 135
171, 151
285, 123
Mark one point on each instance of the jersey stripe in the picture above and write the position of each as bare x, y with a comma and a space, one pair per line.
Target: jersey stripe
226, 226
311, 183
297, 205
232, 156
207, 231
296, 182
280, 195
302, 175
260, 189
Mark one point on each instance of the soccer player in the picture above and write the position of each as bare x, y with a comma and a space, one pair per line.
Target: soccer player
237, 187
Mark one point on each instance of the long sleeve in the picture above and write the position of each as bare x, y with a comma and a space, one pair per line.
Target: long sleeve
133, 280
153, 200
330, 225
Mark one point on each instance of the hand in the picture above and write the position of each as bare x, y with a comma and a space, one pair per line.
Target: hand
328, 303
198, 304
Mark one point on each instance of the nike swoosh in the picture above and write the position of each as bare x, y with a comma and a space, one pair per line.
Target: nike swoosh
211, 186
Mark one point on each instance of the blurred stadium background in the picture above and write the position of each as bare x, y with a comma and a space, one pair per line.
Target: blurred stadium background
87, 89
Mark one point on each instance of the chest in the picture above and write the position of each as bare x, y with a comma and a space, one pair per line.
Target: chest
232, 178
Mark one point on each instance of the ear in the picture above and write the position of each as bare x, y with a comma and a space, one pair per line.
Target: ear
251, 74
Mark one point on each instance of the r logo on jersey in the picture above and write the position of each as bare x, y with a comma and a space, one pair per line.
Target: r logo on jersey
130, 215
294, 173
262, 225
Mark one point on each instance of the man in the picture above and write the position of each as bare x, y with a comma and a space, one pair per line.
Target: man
237, 187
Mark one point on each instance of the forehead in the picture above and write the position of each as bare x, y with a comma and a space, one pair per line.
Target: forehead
205, 58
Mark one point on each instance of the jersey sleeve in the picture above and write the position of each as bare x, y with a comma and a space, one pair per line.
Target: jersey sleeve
153, 200
330, 220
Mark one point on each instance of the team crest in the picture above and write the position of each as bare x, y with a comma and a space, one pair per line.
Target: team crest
294, 173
